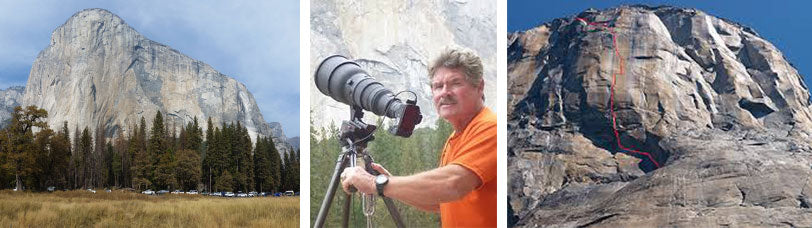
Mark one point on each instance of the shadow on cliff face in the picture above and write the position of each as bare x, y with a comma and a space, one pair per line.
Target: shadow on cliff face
512, 217
597, 127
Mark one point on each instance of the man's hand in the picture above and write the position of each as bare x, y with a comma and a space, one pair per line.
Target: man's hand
380, 169
360, 179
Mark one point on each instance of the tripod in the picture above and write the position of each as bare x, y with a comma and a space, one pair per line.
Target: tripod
354, 136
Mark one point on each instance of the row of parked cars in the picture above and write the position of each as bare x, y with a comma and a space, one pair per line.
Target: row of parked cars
161, 192
222, 194
252, 194
52, 189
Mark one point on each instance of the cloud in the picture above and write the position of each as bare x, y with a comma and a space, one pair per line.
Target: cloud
255, 42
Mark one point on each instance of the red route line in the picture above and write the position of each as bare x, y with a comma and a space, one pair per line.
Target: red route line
612, 94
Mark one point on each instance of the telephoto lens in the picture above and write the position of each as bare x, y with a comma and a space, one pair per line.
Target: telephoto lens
346, 82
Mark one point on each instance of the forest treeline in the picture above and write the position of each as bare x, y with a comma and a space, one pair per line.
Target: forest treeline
156, 156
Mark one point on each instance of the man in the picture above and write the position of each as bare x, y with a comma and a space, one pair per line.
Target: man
463, 188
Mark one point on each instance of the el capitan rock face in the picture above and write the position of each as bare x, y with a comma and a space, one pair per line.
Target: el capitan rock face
394, 41
9, 98
97, 70
725, 117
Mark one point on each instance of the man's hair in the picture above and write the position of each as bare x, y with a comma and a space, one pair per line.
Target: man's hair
460, 59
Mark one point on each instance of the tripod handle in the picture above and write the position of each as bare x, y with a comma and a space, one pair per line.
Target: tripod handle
368, 165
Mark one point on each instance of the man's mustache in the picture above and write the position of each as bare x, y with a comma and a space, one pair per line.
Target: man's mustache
447, 100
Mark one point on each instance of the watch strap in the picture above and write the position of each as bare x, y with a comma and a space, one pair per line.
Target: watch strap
380, 186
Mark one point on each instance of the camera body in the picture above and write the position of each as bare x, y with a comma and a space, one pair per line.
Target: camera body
409, 117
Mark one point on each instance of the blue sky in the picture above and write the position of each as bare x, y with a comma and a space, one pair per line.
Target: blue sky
255, 42
786, 24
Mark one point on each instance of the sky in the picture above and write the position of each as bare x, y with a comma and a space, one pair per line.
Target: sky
255, 42
785, 24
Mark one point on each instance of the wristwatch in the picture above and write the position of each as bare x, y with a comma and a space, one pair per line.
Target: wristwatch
381, 181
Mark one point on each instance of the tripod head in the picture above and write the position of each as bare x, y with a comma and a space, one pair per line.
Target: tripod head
355, 133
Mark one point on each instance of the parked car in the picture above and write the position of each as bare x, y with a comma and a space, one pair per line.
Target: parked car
91, 190
148, 192
263, 194
161, 192
192, 192
289, 193
242, 195
108, 190
278, 194
51, 188
229, 194
177, 192
216, 194
15, 189
252, 194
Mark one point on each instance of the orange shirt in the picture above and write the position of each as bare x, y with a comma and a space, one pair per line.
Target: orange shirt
475, 149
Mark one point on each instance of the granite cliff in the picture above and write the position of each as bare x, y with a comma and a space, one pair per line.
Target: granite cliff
9, 98
655, 116
97, 70
394, 42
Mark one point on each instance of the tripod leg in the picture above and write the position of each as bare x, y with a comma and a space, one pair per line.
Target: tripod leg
345, 221
341, 163
393, 211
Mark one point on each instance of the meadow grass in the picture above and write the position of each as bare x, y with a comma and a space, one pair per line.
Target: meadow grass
127, 209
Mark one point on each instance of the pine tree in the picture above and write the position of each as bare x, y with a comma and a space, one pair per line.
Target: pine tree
61, 153
224, 182
219, 154
194, 136
42, 154
183, 139
110, 171
157, 149
244, 162
206, 155
286, 173
141, 168
77, 161
86, 149
228, 151
100, 158
165, 171
262, 166
295, 171
121, 146
116, 165
276, 164
191, 139
187, 169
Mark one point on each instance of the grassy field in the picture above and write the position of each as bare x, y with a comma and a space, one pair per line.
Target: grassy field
125, 209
